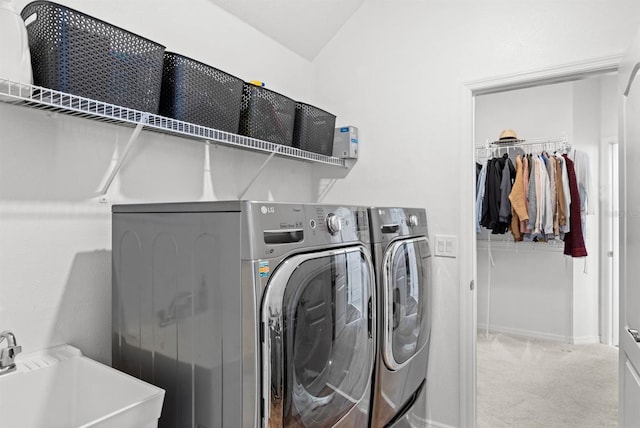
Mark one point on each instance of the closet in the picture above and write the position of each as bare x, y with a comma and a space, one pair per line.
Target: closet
531, 288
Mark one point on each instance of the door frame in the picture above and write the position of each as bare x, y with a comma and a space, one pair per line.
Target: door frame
609, 234
467, 247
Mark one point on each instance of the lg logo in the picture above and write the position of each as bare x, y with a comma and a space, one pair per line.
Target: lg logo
267, 210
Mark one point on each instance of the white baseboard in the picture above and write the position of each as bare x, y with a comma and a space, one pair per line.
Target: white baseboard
581, 340
482, 328
585, 340
434, 424
419, 422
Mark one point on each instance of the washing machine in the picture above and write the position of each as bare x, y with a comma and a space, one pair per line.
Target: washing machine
402, 264
248, 314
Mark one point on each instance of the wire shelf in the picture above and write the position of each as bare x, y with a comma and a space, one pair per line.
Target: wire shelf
511, 246
548, 144
60, 102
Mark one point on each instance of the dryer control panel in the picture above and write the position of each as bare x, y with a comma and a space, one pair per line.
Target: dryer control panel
390, 223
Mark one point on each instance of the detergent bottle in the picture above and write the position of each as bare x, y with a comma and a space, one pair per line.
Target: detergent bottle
15, 60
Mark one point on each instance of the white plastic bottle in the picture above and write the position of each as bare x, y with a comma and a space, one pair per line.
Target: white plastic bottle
15, 60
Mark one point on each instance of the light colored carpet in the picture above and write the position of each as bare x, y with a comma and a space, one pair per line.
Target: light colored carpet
526, 382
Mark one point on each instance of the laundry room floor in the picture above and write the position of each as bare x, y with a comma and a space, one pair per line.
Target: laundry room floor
524, 382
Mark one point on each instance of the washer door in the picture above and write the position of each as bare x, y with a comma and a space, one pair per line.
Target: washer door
406, 300
318, 349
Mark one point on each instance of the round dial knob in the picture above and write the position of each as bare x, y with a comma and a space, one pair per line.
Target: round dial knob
334, 225
413, 220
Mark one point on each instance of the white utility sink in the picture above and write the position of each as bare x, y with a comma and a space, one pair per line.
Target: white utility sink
60, 388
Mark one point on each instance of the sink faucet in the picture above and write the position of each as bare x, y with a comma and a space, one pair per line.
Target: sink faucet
8, 354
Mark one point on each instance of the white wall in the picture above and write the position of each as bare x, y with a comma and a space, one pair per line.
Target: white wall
587, 121
539, 112
397, 69
529, 288
55, 237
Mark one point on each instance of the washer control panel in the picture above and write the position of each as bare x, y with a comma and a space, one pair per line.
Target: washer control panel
334, 224
340, 223
283, 227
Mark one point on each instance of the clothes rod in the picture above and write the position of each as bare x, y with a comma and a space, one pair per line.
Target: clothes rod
532, 144
562, 140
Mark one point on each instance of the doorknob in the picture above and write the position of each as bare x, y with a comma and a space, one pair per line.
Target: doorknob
634, 333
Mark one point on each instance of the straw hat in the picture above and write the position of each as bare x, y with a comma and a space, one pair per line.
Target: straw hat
508, 134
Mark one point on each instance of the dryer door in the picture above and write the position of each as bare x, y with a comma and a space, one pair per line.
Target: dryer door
318, 346
406, 300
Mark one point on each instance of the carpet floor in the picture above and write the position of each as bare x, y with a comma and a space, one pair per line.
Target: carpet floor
525, 382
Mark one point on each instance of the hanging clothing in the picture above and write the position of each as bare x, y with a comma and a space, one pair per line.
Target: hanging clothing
540, 200
561, 208
493, 196
518, 201
532, 197
552, 232
573, 240
506, 185
540, 208
525, 184
480, 183
547, 214
567, 195
491, 200
583, 177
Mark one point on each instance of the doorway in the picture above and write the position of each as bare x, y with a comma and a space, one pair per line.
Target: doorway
537, 309
468, 260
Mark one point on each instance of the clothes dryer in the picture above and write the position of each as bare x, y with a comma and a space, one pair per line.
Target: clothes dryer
402, 264
248, 314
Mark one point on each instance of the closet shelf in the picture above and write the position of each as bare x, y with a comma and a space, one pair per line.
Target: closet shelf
60, 102
531, 144
511, 246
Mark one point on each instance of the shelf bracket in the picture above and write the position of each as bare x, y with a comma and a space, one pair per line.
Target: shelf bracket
326, 189
255, 176
114, 171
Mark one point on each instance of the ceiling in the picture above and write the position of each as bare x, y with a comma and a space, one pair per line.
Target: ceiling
304, 26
